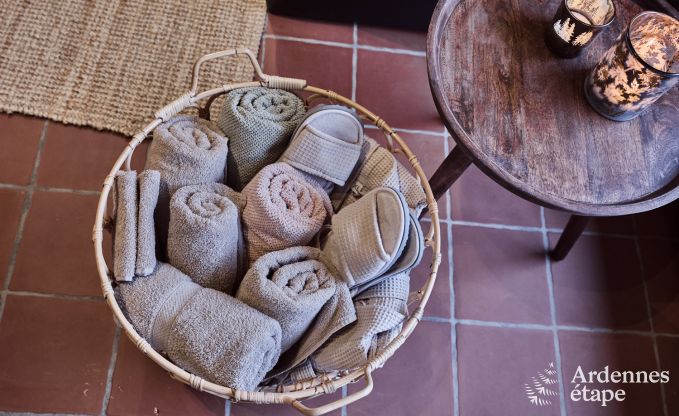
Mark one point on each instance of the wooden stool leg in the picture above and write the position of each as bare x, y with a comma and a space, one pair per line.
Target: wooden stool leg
452, 167
576, 225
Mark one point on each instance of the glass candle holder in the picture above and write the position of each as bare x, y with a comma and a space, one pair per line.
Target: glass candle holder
641, 67
576, 24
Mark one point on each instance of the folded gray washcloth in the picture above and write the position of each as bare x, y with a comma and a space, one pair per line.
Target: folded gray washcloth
206, 332
125, 214
149, 185
291, 286
186, 150
203, 236
282, 210
258, 122
380, 168
380, 313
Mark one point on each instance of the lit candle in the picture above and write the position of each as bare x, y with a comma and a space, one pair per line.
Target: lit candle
636, 71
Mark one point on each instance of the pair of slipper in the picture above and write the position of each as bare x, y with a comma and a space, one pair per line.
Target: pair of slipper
373, 238
326, 145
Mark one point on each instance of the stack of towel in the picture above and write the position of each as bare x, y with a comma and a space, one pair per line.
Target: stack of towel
245, 294
134, 200
186, 150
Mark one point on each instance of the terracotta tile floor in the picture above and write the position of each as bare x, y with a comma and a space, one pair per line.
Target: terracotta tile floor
500, 312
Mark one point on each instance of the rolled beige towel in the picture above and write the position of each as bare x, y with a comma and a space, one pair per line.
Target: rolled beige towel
282, 210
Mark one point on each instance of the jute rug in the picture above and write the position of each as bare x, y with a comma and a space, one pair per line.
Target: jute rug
111, 64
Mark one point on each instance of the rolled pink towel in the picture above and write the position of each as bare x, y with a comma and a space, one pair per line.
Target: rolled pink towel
282, 210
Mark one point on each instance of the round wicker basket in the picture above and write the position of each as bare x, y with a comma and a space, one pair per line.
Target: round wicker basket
292, 394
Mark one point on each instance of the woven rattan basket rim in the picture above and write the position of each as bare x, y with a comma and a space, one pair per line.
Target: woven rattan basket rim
288, 394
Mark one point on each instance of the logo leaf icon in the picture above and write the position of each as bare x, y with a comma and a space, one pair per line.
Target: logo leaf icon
537, 390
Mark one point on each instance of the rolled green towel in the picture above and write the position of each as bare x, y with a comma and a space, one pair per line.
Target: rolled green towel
206, 332
258, 122
291, 286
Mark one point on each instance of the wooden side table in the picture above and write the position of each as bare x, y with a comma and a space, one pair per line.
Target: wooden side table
519, 114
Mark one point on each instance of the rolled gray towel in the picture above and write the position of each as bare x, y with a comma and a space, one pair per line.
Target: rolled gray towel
290, 286
186, 150
149, 185
282, 210
258, 122
125, 214
337, 313
203, 236
206, 332
380, 313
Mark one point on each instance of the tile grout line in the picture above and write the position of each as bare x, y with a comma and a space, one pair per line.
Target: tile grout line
496, 226
344, 409
354, 77
552, 312
28, 200
354, 61
395, 51
453, 326
503, 325
2, 413
111, 369
544, 327
612, 331
649, 311
60, 296
308, 41
531, 229
48, 189
412, 131
451, 271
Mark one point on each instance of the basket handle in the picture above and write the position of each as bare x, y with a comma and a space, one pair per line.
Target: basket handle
271, 81
327, 408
